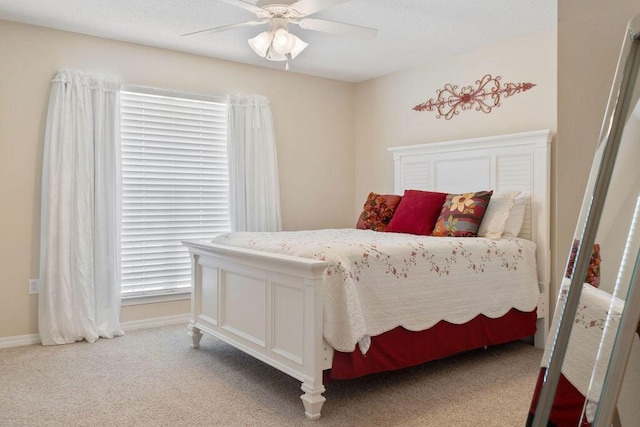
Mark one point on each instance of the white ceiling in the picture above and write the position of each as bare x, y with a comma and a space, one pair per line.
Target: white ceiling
410, 32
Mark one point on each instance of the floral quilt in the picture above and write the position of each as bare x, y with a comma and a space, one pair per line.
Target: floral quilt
376, 281
590, 346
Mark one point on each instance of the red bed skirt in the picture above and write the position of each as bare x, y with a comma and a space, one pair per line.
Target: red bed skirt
567, 404
400, 348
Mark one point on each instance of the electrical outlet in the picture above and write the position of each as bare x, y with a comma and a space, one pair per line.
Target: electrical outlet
34, 286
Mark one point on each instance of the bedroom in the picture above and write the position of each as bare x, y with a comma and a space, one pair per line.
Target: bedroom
353, 133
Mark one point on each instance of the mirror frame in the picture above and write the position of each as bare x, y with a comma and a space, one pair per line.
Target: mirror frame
618, 109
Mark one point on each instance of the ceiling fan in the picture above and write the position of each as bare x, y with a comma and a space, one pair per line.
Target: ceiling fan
278, 44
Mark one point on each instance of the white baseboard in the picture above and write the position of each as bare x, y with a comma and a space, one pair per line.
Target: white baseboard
21, 340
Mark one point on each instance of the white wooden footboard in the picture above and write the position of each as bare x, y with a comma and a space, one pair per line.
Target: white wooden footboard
267, 305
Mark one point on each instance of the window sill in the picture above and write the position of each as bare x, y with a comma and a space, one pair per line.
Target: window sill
153, 299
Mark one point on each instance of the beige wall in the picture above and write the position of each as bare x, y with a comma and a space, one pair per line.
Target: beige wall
313, 122
384, 115
590, 36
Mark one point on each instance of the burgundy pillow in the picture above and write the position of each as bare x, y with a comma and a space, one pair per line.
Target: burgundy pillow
593, 272
417, 212
377, 211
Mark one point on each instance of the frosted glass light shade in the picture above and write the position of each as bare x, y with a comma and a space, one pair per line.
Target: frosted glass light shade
277, 45
260, 43
272, 55
298, 47
283, 41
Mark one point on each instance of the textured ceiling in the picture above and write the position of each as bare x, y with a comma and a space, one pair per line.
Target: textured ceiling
410, 32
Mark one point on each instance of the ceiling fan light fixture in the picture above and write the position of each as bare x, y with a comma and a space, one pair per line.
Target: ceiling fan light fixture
261, 43
298, 47
277, 44
272, 55
283, 41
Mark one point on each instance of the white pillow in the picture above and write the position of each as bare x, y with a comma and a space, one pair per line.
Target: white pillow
516, 218
497, 214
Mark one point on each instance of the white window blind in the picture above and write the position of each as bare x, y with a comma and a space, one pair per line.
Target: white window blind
175, 185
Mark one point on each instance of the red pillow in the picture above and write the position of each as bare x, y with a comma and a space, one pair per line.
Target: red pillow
417, 212
377, 211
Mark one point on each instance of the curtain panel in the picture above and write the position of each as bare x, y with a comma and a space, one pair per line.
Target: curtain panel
81, 211
254, 200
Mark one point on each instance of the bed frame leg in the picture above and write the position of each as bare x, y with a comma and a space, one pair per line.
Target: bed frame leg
312, 400
195, 334
542, 333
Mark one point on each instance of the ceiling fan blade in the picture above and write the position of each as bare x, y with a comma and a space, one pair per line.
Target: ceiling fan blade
340, 28
248, 6
229, 27
307, 7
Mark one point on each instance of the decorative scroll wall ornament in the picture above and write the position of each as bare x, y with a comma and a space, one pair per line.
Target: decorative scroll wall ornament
486, 96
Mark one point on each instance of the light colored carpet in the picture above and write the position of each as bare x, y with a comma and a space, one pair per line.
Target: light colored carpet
153, 378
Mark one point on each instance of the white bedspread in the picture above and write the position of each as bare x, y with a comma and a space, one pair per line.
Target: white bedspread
378, 281
585, 340
589, 349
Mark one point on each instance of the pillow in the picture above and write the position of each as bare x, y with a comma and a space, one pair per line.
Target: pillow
462, 214
593, 272
497, 214
516, 217
377, 211
417, 212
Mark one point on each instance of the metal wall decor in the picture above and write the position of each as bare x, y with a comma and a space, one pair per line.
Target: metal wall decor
487, 94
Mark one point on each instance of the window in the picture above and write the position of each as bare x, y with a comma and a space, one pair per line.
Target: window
175, 185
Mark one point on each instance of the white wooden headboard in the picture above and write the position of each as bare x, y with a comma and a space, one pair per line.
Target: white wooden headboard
514, 162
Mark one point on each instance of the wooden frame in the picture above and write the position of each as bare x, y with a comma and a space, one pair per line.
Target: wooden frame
270, 305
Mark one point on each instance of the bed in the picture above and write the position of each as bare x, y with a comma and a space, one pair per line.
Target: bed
272, 305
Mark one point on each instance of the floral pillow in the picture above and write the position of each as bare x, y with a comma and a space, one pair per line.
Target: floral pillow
462, 214
378, 211
593, 272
